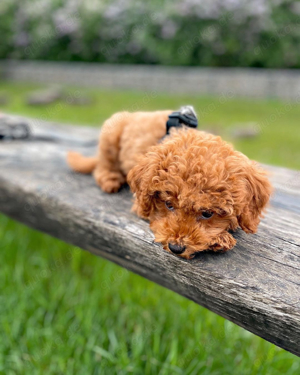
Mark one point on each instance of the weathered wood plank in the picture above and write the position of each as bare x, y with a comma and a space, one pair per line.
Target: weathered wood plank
256, 285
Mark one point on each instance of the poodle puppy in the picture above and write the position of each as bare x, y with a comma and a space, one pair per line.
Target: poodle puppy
192, 187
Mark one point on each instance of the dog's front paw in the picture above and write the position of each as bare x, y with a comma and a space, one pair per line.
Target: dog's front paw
222, 243
110, 182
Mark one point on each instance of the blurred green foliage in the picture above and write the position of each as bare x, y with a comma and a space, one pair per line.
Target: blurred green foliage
254, 33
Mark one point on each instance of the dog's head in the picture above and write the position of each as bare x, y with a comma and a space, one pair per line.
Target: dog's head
194, 188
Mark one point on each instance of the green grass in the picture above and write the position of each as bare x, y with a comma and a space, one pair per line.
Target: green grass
65, 311
277, 144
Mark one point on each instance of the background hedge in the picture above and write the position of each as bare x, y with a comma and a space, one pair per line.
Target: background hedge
255, 33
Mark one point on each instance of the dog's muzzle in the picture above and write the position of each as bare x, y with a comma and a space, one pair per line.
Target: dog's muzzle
176, 249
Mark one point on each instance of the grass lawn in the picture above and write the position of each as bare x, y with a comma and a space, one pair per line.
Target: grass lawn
65, 311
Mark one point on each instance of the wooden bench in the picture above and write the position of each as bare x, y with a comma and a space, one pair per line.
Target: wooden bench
256, 285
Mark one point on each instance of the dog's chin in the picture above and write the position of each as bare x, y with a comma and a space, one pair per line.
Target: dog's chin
191, 251
189, 256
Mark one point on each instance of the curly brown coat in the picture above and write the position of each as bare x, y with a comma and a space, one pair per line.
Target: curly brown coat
193, 187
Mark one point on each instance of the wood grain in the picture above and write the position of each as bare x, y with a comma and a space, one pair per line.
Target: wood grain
256, 285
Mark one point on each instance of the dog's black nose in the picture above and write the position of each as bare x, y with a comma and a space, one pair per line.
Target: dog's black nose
176, 249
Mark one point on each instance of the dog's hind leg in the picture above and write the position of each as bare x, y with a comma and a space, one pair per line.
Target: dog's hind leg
108, 173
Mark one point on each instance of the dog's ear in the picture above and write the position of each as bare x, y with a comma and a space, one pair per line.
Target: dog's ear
256, 197
141, 180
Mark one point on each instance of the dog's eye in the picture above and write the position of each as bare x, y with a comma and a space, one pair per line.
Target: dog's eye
206, 215
169, 206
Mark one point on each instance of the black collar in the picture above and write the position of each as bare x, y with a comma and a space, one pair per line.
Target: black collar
178, 119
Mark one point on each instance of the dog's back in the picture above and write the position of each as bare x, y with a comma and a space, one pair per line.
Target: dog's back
124, 137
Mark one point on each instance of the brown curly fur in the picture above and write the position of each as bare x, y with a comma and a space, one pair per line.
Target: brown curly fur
193, 170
